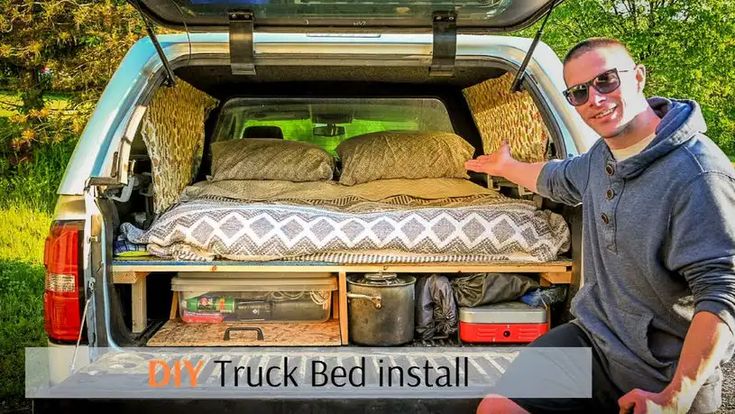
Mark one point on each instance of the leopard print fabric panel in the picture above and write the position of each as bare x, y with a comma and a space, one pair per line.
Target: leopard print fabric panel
504, 115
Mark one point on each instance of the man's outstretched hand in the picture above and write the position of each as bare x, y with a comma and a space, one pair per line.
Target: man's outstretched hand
643, 402
493, 164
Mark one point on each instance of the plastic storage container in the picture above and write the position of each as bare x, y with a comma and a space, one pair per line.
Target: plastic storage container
211, 300
509, 322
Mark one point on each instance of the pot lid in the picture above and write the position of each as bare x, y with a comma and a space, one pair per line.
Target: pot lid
376, 15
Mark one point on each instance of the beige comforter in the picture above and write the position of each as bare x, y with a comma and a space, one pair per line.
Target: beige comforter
371, 196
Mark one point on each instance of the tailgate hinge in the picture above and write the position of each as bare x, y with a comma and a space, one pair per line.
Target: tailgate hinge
242, 52
444, 27
518, 80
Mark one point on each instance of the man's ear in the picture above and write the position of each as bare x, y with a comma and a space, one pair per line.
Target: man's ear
640, 77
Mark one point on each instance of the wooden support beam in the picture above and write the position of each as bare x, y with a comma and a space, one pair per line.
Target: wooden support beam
140, 307
174, 306
148, 266
556, 278
128, 277
138, 295
343, 308
335, 304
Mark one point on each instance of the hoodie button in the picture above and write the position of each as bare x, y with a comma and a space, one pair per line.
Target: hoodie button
610, 194
609, 169
605, 219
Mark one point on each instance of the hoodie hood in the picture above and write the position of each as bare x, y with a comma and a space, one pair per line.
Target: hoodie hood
680, 121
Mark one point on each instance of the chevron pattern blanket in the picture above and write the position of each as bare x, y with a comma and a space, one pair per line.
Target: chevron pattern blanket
477, 232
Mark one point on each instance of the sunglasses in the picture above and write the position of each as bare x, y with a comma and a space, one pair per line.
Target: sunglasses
606, 82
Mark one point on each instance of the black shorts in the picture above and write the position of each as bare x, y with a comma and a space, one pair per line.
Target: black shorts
605, 394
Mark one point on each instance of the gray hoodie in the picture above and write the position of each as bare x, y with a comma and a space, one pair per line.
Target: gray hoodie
658, 246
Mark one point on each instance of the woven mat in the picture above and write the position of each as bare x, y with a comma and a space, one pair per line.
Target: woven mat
178, 333
504, 115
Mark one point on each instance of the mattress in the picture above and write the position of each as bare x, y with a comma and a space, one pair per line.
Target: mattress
391, 221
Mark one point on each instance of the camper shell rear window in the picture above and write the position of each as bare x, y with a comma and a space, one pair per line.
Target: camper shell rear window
327, 122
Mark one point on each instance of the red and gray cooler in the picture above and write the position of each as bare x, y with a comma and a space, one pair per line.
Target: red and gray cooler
508, 322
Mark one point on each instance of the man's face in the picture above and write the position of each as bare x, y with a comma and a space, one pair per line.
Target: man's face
608, 114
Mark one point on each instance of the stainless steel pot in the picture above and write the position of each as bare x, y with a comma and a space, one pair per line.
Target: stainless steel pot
381, 308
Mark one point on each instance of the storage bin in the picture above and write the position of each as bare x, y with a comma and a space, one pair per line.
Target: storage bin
508, 322
213, 300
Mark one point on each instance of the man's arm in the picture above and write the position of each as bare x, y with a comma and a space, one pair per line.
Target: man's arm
704, 347
563, 181
502, 164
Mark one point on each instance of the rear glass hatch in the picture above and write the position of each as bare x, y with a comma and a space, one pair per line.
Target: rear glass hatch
377, 16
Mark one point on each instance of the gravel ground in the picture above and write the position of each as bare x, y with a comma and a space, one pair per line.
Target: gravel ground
728, 388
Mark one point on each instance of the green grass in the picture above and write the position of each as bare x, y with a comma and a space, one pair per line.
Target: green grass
33, 184
27, 198
22, 234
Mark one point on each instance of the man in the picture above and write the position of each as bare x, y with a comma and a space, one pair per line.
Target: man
657, 306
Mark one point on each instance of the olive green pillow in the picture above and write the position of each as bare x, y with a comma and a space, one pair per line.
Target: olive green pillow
270, 159
404, 154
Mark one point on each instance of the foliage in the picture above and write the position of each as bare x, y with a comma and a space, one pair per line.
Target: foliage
58, 45
21, 131
34, 150
62, 44
687, 47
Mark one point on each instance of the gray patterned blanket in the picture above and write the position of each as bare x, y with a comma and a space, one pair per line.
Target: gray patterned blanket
479, 230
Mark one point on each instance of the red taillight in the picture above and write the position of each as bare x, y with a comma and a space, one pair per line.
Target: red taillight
64, 293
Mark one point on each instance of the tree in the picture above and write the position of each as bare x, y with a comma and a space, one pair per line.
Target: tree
62, 44
687, 46
58, 45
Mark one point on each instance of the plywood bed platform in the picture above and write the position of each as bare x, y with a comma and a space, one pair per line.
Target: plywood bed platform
136, 271
558, 271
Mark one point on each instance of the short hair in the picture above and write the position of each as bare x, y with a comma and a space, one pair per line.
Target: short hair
592, 44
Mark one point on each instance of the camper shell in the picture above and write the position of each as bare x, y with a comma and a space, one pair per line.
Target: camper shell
266, 55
